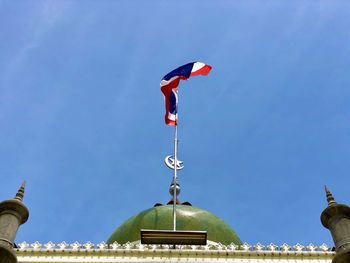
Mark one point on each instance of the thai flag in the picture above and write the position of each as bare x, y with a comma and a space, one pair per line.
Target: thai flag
169, 83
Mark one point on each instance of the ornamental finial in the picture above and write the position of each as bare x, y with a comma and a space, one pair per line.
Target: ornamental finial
20, 194
172, 192
330, 198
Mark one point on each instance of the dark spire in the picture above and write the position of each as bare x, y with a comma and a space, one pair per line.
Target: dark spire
20, 194
330, 198
13, 213
336, 217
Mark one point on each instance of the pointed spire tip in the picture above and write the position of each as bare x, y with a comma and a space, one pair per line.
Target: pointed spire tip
20, 193
330, 198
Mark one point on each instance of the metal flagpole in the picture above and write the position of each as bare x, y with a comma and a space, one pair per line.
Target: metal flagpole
175, 178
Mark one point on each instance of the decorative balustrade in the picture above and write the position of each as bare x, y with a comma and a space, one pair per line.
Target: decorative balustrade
76, 246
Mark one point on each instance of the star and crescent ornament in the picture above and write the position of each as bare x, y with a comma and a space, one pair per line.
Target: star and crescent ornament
170, 162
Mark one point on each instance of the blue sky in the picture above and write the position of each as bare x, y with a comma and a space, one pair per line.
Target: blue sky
81, 113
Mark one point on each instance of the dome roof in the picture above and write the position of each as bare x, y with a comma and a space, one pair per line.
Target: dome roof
188, 218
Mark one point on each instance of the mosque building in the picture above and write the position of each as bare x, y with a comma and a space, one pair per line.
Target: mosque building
129, 244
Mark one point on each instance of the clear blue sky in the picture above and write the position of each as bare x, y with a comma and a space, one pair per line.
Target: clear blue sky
81, 113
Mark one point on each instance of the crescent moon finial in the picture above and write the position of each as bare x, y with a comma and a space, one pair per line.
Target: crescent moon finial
170, 163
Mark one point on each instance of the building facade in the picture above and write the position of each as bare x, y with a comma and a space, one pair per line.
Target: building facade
124, 245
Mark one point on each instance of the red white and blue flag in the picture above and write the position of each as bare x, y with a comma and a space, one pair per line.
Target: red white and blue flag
170, 82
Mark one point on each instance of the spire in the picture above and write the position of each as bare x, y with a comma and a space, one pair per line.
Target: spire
20, 194
336, 218
13, 213
330, 198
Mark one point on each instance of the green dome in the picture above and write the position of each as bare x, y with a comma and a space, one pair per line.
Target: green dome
188, 218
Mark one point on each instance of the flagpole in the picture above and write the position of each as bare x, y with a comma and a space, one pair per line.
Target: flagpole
175, 177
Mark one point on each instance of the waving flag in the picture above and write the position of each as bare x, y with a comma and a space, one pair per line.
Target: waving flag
169, 83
